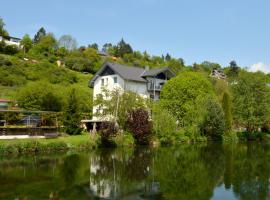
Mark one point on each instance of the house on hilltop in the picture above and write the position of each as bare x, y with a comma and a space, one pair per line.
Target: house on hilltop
143, 81
10, 40
217, 73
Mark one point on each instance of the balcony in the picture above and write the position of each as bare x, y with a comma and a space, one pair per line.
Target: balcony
153, 87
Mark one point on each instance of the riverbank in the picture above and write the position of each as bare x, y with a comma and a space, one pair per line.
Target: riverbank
88, 142
78, 142
22, 146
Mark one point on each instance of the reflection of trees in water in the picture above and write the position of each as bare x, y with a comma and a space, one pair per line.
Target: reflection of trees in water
183, 172
194, 171
250, 171
186, 172
70, 168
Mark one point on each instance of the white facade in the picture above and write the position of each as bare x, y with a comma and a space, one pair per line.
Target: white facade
145, 83
10, 40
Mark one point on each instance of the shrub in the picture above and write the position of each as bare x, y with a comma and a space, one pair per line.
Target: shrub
164, 125
140, 126
181, 92
4, 61
123, 140
39, 96
213, 125
11, 49
107, 131
72, 115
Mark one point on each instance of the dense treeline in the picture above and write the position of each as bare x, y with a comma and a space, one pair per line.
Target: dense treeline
46, 73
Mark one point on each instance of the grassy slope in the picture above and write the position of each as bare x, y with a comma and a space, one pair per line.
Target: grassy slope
20, 73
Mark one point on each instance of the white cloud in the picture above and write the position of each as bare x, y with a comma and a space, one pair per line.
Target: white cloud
259, 67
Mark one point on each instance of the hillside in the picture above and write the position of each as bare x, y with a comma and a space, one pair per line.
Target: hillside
17, 75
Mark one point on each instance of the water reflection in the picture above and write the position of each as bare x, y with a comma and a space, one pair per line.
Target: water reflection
212, 171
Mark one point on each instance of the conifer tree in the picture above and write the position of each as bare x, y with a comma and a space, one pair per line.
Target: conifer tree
227, 108
41, 33
72, 115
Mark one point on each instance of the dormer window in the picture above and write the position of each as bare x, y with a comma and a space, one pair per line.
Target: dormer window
115, 79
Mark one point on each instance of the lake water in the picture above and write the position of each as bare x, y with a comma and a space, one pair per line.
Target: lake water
187, 172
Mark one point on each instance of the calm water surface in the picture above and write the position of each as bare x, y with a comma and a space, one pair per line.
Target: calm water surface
187, 172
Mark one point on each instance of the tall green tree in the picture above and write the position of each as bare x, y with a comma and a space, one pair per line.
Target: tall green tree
26, 43
46, 46
41, 33
213, 125
72, 115
68, 42
233, 69
181, 92
93, 46
227, 109
123, 48
251, 100
3, 31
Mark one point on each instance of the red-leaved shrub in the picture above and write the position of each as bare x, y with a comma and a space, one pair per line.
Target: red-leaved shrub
140, 125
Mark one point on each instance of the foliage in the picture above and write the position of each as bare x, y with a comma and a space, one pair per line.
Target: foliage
194, 118
48, 145
26, 43
206, 67
181, 92
86, 61
233, 69
164, 125
3, 31
46, 46
227, 108
38, 36
72, 115
116, 104
250, 100
93, 46
107, 131
11, 49
122, 48
123, 139
68, 42
213, 125
140, 125
39, 96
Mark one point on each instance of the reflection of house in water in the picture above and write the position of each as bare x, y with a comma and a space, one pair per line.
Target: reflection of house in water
115, 188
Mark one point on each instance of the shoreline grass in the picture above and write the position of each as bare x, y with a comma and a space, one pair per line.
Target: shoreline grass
23, 146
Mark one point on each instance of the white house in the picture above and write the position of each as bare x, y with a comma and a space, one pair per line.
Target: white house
145, 82
10, 40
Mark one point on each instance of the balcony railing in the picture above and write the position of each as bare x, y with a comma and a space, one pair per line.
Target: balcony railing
152, 87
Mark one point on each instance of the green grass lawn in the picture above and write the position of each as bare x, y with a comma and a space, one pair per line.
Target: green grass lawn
18, 146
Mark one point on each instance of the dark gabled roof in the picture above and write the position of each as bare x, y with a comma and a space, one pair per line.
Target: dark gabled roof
126, 72
154, 72
9, 37
130, 73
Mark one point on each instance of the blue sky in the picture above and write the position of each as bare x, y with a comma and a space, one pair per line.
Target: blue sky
195, 30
